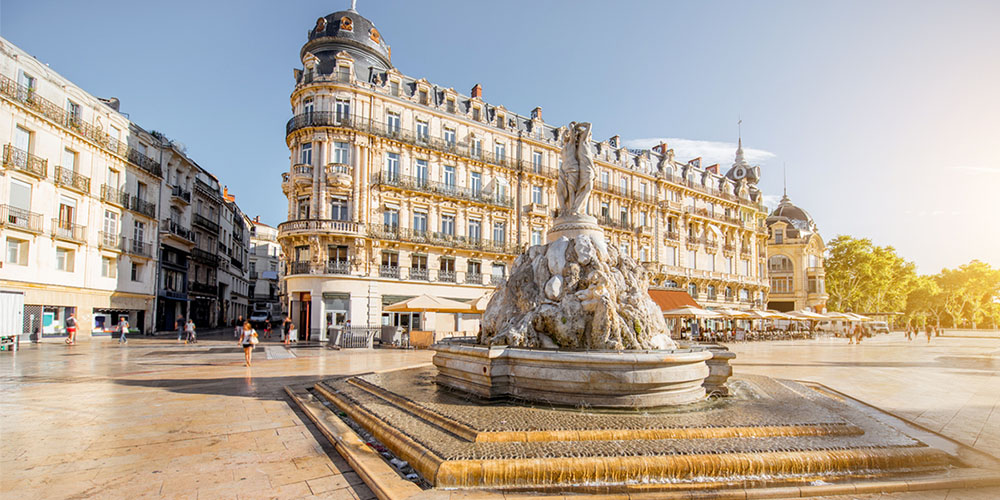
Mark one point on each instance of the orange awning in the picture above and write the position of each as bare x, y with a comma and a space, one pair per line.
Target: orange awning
669, 300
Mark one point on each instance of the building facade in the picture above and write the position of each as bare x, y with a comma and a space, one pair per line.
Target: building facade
265, 266
795, 262
234, 246
78, 212
399, 187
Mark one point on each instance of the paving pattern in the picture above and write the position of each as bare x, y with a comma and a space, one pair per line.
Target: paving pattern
160, 420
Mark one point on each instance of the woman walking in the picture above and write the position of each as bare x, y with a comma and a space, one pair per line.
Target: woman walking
71, 329
267, 329
247, 340
191, 336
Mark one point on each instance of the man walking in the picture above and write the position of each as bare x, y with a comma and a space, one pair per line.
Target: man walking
123, 328
927, 330
179, 325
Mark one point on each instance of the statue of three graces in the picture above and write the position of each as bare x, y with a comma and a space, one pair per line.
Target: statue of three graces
576, 175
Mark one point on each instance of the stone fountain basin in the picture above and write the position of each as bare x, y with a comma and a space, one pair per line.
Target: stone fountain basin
601, 379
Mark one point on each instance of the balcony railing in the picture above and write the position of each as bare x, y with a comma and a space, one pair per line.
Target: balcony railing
446, 276
111, 241
66, 230
389, 232
58, 114
441, 189
474, 278
140, 249
180, 193
175, 228
20, 218
299, 267
114, 195
420, 273
204, 257
199, 287
338, 267
388, 271
615, 224
672, 235
206, 223
23, 161
319, 225
142, 206
67, 177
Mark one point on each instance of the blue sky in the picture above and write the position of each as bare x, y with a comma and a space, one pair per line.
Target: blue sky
885, 114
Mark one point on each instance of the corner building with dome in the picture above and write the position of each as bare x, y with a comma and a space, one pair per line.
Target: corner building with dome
399, 187
795, 260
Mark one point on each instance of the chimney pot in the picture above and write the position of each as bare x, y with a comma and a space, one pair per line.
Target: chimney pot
477, 91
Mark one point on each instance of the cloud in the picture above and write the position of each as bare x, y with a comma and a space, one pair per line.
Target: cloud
771, 201
710, 152
978, 170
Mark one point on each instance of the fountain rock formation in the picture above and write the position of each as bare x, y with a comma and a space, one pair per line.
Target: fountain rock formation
575, 293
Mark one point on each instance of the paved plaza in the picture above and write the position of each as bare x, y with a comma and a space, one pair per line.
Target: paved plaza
160, 419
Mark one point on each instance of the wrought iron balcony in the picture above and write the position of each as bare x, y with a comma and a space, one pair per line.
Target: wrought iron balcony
396, 233
179, 193
420, 273
388, 271
66, 230
441, 189
204, 257
23, 161
140, 249
144, 162
615, 224
318, 226
69, 178
304, 267
111, 241
207, 288
672, 235
142, 206
175, 228
338, 267
206, 223
446, 276
474, 278
114, 195
22, 219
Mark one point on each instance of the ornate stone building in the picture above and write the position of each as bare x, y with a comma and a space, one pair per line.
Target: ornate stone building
398, 187
795, 263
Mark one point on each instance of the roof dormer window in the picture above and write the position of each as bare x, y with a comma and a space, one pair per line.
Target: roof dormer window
346, 24
424, 97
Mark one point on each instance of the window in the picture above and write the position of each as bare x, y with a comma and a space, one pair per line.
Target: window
536, 236
450, 105
711, 292
423, 131
341, 153
419, 222
644, 254
499, 232
420, 172
693, 290
500, 151
114, 132
536, 195
110, 227
392, 166
475, 229
69, 159
73, 110
605, 210
729, 265
780, 264
501, 189
138, 232
22, 139
343, 109
779, 236
424, 97
671, 256
67, 212
605, 178
536, 161
109, 267
781, 284
449, 136
729, 293
477, 114
339, 208
337, 253
308, 106
302, 253
745, 267
303, 208
136, 271
391, 218
17, 252
113, 178
623, 215
65, 259
448, 225
20, 199
394, 88
449, 176
642, 190
474, 267
390, 259
306, 154
476, 183
692, 260
499, 270
477, 148
642, 219
623, 185
392, 122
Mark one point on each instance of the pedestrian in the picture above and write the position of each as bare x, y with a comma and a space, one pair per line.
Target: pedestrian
71, 329
123, 328
248, 337
238, 327
179, 325
286, 329
267, 329
190, 335
927, 330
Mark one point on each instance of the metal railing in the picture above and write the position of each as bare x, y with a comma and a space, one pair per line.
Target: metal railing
142, 206
204, 257
319, 225
67, 177
175, 228
66, 230
615, 224
396, 233
299, 267
420, 273
20, 218
474, 278
446, 276
111, 241
440, 188
199, 287
179, 192
58, 114
388, 271
23, 161
114, 195
338, 267
206, 223
139, 248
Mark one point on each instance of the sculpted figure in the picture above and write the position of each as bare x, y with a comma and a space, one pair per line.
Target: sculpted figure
576, 177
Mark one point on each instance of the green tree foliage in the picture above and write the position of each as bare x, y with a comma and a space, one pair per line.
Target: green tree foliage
863, 277
970, 293
925, 303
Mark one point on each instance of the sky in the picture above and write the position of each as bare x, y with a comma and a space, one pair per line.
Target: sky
883, 115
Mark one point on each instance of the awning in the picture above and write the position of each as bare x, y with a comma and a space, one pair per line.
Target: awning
691, 312
427, 303
672, 299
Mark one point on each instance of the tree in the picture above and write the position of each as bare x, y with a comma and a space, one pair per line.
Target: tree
863, 277
970, 290
925, 302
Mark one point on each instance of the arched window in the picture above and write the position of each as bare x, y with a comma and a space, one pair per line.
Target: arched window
780, 264
670, 284
711, 292
693, 290
729, 293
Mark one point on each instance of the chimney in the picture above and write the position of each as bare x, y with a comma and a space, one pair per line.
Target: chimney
714, 168
662, 148
477, 91
536, 114
257, 219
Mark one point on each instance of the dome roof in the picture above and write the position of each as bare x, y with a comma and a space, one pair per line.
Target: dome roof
348, 31
792, 215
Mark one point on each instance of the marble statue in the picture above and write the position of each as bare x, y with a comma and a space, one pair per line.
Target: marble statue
576, 176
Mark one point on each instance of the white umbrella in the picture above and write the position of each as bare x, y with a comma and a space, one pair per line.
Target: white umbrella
735, 314
691, 312
426, 303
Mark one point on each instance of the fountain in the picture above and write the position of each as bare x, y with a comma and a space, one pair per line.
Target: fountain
574, 385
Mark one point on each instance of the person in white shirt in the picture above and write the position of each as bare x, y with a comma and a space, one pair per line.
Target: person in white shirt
247, 339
